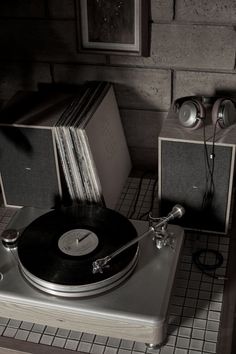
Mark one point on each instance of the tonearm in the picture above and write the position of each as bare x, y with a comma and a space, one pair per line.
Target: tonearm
154, 229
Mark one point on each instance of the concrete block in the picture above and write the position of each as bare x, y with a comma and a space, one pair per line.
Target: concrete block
188, 46
162, 10
135, 88
142, 127
42, 40
202, 83
22, 8
202, 11
22, 76
61, 9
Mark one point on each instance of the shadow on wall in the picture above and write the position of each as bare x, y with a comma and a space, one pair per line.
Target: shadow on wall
28, 46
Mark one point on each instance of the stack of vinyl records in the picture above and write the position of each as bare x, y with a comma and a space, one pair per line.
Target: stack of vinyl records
48, 139
85, 133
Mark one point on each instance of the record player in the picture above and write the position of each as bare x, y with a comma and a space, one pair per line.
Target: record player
90, 269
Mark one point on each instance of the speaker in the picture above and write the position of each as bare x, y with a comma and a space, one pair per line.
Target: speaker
29, 168
29, 164
196, 170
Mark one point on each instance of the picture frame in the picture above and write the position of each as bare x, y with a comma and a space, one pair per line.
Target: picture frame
113, 26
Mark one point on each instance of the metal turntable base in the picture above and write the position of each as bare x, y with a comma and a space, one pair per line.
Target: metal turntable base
137, 309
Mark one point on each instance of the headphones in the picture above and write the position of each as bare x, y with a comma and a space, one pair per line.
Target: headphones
192, 111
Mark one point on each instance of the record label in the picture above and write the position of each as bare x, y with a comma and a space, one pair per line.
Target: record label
78, 242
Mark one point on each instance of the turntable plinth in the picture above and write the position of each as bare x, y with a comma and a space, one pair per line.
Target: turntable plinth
137, 309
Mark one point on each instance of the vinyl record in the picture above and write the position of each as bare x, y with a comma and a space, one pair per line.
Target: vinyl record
60, 247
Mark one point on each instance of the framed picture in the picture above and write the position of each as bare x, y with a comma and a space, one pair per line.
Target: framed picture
113, 26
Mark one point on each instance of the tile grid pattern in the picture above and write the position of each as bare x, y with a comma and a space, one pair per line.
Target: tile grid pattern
195, 306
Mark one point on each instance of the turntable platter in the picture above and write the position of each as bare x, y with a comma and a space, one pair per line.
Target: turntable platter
57, 250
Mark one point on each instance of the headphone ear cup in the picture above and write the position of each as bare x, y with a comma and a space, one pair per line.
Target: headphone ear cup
191, 114
223, 113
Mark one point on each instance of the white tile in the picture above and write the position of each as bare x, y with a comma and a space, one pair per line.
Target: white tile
126, 344
177, 300
167, 350
185, 266
194, 284
10, 332
188, 311
198, 323
84, 347
196, 344
215, 306
14, 323
175, 310
71, 344
4, 321
195, 276
121, 351
204, 295
113, 342
184, 332
217, 297
204, 304
179, 291
187, 322
139, 346
198, 333
206, 286
22, 334
98, 349
174, 319
34, 337
26, 325
46, 339
207, 278
209, 347
87, 337
110, 350
214, 316
182, 274
76, 335
38, 328
153, 351
212, 326
181, 351
182, 342
58, 342
171, 340
192, 293
100, 340
50, 330
211, 336
201, 314
172, 329
190, 302
62, 333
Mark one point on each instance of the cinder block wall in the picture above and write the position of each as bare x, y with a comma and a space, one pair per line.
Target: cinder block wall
193, 45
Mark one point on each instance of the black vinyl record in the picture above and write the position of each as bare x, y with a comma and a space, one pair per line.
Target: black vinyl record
50, 248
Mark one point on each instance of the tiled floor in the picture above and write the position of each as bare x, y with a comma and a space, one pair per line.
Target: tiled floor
196, 303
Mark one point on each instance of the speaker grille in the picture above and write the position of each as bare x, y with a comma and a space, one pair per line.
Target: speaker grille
184, 178
28, 167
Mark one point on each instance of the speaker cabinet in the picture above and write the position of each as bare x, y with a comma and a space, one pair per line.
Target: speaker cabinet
29, 167
196, 170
